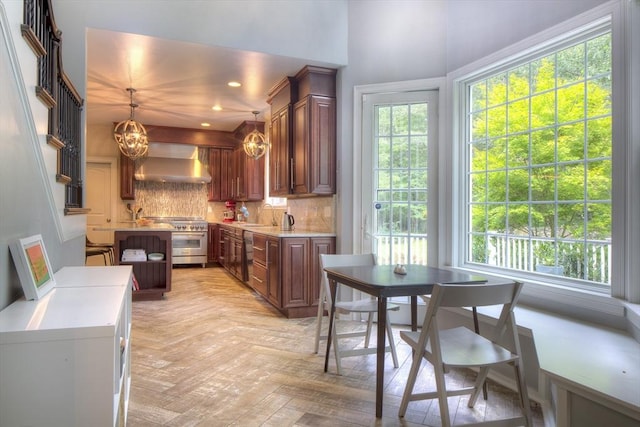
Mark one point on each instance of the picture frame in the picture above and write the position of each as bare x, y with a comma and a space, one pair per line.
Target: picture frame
33, 266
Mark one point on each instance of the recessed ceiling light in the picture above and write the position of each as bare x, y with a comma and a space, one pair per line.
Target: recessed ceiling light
234, 84
205, 125
216, 108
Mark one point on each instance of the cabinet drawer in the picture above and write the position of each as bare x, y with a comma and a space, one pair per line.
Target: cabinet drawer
260, 249
259, 279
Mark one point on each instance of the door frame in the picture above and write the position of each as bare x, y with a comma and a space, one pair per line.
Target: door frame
113, 166
436, 84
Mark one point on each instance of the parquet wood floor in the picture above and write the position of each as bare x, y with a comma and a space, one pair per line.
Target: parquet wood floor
213, 353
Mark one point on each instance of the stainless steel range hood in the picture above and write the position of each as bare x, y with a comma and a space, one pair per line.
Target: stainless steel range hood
172, 163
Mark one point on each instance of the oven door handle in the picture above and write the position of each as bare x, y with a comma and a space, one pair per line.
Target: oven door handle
186, 236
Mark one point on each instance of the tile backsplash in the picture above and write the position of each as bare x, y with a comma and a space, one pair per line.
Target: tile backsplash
171, 199
190, 200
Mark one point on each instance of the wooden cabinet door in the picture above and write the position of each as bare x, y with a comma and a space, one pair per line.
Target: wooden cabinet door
213, 244
127, 170
295, 272
239, 191
254, 178
237, 259
273, 272
319, 245
214, 171
300, 148
314, 145
229, 254
279, 163
322, 145
226, 174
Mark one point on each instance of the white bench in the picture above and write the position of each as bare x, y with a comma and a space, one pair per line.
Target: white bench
589, 374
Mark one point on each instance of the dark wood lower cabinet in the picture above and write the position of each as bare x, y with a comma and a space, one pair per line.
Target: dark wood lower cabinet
232, 253
213, 246
154, 277
286, 272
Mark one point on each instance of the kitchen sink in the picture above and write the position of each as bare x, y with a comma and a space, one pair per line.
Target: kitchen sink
248, 224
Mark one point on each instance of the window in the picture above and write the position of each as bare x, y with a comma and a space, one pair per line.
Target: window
538, 156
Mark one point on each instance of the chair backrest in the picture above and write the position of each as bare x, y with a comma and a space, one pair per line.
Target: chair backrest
342, 260
476, 295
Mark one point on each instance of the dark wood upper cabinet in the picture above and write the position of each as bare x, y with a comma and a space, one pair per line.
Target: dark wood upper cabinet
281, 98
220, 168
127, 169
303, 134
248, 172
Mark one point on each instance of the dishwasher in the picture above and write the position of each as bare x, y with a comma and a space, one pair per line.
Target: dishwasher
247, 248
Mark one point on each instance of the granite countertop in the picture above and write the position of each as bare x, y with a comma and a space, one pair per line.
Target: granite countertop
132, 226
275, 231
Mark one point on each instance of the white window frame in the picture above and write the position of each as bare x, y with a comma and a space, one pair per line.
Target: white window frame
626, 208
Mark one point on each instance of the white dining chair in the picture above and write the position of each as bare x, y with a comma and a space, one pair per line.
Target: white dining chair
368, 306
460, 347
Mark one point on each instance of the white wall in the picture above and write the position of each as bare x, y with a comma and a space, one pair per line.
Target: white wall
27, 204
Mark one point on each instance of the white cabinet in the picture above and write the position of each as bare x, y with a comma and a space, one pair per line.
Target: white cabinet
65, 359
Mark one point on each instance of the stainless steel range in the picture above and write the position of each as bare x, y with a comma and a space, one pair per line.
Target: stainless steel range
188, 239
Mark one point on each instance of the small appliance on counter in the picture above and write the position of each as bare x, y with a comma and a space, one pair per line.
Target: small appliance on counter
287, 222
229, 215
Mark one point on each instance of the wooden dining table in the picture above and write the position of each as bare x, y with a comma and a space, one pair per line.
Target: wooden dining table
382, 282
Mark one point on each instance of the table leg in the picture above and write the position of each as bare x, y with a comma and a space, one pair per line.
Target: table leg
333, 286
414, 313
382, 326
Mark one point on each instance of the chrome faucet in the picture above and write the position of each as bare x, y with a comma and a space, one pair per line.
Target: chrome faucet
273, 213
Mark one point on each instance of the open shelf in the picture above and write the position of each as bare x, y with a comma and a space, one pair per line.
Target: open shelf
154, 277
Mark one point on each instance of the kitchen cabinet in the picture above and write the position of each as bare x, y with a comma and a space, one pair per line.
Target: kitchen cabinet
286, 271
233, 243
314, 133
265, 277
273, 271
71, 367
314, 146
248, 173
301, 274
154, 277
259, 278
281, 98
213, 246
221, 171
303, 134
127, 171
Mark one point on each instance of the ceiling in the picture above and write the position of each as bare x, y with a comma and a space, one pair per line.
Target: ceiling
178, 83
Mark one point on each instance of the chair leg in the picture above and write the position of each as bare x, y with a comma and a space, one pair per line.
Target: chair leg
392, 343
319, 318
478, 387
368, 332
442, 394
411, 382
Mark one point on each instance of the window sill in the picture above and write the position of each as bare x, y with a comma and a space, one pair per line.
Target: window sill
583, 305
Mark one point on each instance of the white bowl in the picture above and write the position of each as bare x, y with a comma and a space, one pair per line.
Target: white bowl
155, 256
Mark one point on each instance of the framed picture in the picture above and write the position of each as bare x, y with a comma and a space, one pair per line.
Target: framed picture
34, 268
